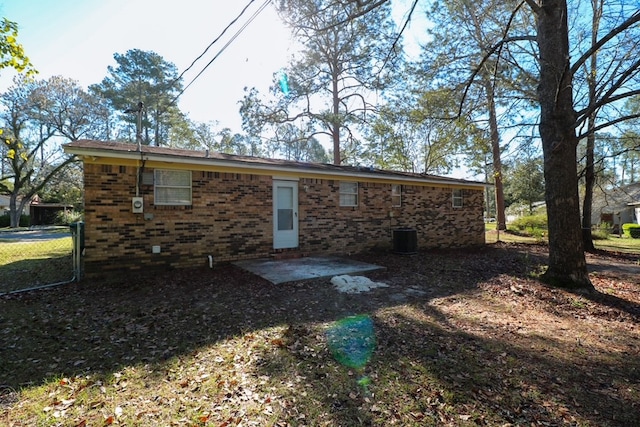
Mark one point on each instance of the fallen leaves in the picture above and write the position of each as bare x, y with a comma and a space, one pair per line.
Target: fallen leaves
464, 338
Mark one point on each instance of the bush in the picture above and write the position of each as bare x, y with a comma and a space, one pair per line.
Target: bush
602, 232
5, 221
631, 230
67, 217
530, 223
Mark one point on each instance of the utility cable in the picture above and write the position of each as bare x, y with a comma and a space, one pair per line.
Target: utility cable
213, 42
223, 48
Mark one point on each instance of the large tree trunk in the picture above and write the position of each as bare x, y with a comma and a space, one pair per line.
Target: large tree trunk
567, 263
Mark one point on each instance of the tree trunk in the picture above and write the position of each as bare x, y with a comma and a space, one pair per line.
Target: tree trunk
589, 184
335, 125
590, 173
501, 222
14, 214
567, 263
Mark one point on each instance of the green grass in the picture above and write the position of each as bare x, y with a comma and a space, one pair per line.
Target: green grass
619, 244
25, 264
511, 236
612, 243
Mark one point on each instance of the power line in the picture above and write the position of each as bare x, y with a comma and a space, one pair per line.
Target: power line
223, 48
213, 42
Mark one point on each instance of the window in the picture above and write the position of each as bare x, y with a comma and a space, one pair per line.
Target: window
348, 194
172, 187
396, 195
457, 198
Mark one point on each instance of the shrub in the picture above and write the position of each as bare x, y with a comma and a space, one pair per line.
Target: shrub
5, 221
602, 232
67, 217
530, 223
631, 230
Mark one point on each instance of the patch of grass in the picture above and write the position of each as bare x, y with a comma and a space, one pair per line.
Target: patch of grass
511, 236
25, 264
619, 244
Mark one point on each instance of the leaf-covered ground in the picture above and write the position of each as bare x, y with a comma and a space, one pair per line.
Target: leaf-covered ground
463, 338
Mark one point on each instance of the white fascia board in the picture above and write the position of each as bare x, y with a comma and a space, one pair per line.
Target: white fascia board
266, 168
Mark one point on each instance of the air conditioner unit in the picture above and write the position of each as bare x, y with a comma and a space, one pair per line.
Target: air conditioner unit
137, 205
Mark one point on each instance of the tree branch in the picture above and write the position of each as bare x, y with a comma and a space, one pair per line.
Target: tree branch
585, 113
486, 57
349, 18
609, 124
635, 18
534, 6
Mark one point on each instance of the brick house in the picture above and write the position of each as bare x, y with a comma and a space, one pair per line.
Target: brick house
168, 208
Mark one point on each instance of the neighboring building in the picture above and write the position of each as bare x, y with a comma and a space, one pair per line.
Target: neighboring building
617, 206
45, 213
636, 210
168, 208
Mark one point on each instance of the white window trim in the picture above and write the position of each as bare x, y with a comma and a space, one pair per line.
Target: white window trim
349, 193
397, 195
171, 203
457, 201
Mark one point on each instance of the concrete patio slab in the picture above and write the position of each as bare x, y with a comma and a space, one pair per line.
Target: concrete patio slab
306, 268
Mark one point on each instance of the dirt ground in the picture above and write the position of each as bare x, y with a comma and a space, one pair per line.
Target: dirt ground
464, 337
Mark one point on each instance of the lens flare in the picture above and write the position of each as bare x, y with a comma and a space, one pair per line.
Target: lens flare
284, 82
352, 341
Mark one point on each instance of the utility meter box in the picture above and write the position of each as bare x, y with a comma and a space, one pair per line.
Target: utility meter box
137, 205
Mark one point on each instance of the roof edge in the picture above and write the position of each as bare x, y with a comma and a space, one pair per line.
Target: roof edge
90, 148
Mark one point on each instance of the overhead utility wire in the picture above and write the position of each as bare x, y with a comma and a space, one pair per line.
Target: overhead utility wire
223, 48
213, 42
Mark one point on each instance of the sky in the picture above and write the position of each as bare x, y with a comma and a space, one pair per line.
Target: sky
77, 39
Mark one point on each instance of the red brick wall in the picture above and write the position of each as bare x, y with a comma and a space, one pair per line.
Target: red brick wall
231, 219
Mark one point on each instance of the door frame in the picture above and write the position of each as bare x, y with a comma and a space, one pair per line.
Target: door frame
285, 239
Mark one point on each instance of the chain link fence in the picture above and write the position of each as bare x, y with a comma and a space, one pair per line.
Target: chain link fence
41, 257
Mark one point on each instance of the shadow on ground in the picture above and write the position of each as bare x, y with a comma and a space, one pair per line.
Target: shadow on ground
91, 328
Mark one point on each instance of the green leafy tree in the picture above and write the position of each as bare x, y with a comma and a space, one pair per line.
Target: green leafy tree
36, 117
525, 182
143, 77
208, 136
465, 32
416, 133
594, 81
561, 117
294, 143
328, 89
629, 156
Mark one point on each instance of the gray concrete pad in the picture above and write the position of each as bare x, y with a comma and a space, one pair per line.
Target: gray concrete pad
306, 268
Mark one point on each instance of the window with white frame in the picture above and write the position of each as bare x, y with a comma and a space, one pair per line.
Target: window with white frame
348, 194
172, 187
456, 198
396, 195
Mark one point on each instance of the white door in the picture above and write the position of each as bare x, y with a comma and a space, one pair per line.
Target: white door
285, 214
